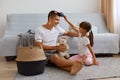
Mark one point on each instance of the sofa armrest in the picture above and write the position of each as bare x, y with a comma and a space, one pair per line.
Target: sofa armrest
8, 45
106, 43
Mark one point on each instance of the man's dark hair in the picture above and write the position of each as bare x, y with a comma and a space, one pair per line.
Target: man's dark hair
53, 13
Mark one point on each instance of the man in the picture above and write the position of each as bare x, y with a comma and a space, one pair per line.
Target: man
46, 35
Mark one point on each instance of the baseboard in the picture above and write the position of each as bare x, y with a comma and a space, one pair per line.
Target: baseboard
100, 55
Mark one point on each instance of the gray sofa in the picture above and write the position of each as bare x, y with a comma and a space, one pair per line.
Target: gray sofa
105, 42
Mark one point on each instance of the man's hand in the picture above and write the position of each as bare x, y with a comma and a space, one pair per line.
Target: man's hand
38, 44
61, 48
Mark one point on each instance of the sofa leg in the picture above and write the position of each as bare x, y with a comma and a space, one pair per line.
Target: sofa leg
10, 58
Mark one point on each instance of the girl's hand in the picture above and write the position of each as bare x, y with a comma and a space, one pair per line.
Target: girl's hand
96, 63
66, 19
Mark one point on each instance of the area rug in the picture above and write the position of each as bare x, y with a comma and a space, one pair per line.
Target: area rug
109, 67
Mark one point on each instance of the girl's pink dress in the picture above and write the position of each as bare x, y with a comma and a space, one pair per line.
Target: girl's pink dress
88, 61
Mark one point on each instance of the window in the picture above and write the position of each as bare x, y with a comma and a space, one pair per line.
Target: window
117, 16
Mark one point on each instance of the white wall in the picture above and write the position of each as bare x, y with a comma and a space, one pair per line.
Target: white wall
44, 6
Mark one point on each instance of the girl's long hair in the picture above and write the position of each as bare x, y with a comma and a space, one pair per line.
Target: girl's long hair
87, 26
91, 38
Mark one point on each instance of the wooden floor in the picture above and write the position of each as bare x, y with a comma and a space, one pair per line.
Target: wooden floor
8, 70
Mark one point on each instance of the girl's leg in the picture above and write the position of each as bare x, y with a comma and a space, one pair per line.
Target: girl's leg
89, 60
78, 58
75, 57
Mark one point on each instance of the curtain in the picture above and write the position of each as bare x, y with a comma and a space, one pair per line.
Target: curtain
107, 9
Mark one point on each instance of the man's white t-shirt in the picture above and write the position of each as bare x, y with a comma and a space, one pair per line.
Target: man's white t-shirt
48, 37
82, 44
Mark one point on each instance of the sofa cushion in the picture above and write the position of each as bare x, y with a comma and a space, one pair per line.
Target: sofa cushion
72, 43
19, 23
94, 29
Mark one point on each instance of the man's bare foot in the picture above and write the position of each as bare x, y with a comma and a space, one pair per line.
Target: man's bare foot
77, 66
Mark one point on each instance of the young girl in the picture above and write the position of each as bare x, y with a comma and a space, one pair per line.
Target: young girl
85, 43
